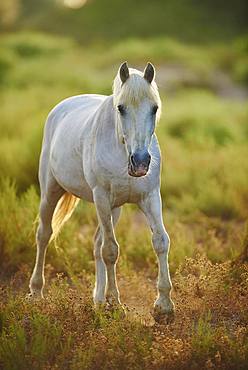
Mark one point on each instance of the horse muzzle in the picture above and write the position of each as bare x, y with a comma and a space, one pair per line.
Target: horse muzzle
138, 163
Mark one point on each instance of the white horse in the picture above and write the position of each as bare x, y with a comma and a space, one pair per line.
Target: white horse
103, 149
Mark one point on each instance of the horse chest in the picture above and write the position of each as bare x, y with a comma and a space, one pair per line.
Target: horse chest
121, 192
128, 190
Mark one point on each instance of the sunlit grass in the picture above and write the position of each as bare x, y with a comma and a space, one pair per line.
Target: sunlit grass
65, 331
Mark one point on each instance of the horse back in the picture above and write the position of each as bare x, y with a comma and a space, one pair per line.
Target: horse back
84, 104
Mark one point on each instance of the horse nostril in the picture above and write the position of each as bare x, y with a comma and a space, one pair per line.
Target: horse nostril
148, 159
140, 159
132, 159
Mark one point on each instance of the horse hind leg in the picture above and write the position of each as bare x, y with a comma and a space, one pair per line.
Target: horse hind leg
47, 206
100, 284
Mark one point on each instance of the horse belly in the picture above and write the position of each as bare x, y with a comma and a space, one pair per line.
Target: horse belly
72, 181
66, 166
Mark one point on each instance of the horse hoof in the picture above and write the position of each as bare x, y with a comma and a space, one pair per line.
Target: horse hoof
116, 310
111, 310
165, 318
34, 296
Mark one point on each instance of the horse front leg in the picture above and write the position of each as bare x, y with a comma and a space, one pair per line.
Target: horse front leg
109, 248
100, 284
152, 208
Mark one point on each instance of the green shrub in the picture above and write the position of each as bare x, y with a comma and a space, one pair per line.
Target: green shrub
16, 226
6, 63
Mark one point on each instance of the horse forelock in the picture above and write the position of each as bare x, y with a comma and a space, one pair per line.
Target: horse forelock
135, 89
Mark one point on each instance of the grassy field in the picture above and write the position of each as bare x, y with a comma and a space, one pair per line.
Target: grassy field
203, 135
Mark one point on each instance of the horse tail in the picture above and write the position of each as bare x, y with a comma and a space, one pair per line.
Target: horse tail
63, 212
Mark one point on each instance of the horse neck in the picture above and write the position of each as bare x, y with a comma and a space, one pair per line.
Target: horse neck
107, 123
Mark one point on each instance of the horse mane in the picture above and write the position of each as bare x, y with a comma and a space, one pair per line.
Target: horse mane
135, 89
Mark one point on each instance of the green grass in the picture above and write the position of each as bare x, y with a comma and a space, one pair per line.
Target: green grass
37, 335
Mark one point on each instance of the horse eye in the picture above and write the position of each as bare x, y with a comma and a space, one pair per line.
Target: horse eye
154, 109
121, 109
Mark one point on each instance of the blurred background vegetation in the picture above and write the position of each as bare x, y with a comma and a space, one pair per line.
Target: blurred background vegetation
52, 49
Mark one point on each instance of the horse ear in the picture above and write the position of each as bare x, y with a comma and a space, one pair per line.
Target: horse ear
149, 72
124, 72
